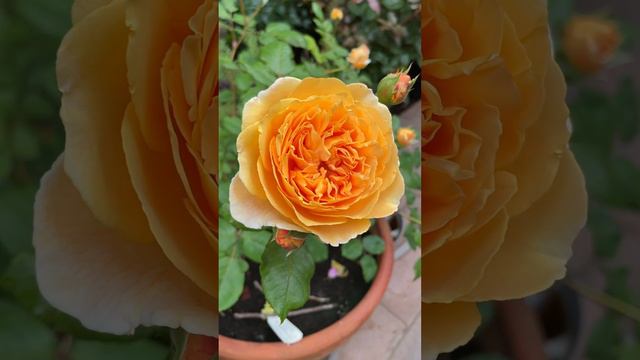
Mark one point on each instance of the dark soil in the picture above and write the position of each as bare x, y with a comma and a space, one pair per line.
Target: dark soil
346, 292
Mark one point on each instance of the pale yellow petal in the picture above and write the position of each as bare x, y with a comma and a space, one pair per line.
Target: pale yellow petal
447, 326
255, 109
92, 77
158, 185
538, 243
254, 212
108, 283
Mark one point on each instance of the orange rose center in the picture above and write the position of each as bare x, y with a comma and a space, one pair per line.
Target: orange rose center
322, 152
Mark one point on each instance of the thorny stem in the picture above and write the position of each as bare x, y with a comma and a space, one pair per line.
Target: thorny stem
245, 31
606, 300
291, 313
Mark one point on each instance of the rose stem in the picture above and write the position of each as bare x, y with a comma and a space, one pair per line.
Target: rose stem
605, 300
521, 328
291, 314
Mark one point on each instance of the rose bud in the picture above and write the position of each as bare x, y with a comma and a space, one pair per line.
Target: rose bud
590, 42
405, 136
336, 14
287, 240
359, 57
394, 88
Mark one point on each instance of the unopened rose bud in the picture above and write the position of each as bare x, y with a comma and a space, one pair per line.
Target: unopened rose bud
590, 42
394, 88
405, 136
287, 240
336, 14
359, 57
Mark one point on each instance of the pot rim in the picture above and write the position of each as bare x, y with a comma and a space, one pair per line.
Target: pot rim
322, 342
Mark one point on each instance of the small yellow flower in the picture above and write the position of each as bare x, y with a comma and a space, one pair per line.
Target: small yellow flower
336, 14
359, 57
590, 42
405, 136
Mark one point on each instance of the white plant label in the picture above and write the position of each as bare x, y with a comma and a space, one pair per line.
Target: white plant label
286, 331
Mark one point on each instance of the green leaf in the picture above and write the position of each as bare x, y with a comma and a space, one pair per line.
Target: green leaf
49, 17
279, 57
373, 244
260, 73
231, 281
617, 280
22, 336
316, 248
413, 236
417, 269
253, 243
630, 352
369, 267
286, 278
25, 143
317, 10
393, 4
229, 5
103, 350
352, 250
16, 214
314, 49
604, 339
604, 232
227, 237
626, 111
19, 280
6, 163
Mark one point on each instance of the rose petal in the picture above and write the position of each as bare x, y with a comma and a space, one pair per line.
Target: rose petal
447, 326
536, 252
108, 283
92, 77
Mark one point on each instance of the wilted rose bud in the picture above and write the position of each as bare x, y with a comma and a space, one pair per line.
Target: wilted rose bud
287, 240
336, 14
394, 88
590, 42
405, 136
359, 57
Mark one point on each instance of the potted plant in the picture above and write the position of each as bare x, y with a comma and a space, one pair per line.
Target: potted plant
320, 344
298, 252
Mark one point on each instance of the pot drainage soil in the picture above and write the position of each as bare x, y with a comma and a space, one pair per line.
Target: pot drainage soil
346, 293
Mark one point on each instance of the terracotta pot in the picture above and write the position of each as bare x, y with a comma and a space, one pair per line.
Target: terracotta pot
323, 342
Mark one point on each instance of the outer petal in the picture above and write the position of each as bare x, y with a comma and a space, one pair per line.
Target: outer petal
447, 326
92, 77
252, 211
110, 284
256, 108
158, 185
536, 252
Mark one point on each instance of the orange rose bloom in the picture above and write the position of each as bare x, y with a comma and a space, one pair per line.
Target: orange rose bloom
125, 221
359, 57
503, 197
590, 42
317, 156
